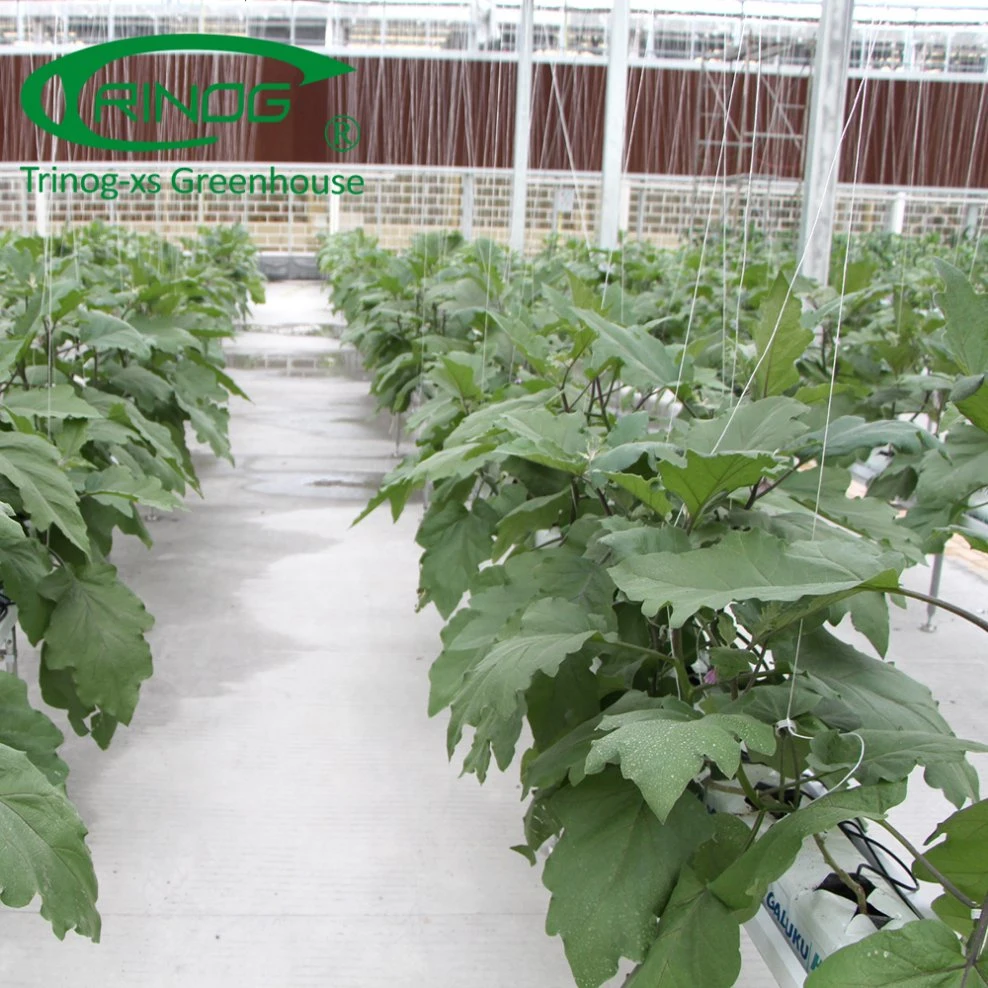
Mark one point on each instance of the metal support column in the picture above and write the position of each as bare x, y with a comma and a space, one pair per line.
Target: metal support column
972, 220
931, 609
827, 100
41, 213
895, 218
615, 115
523, 124
466, 205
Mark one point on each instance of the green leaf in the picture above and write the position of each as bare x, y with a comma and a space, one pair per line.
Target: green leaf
922, 954
480, 423
24, 563
57, 402
769, 425
118, 483
888, 756
564, 759
614, 868
779, 340
103, 331
96, 632
556, 441
25, 729
745, 566
699, 942
530, 516
966, 313
456, 541
491, 697
729, 841
123, 412
852, 434
146, 387
70, 437
970, 395
43, 850
705, 477
456, 374
743, 885
457, 462
662, 753
730, 662
866, 515
211, 425
163, 334
645, 362
949, 475
955, 914
466, 636
961, 856
618, 458
556, 705
58, 690
622, 539
648, 492
870, 616
31, 466
880, 696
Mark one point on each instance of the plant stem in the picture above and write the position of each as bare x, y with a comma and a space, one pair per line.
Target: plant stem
749, 791
610, 390
756, 493
645, 398
575, 494
651, 652
572, 364
977, 943
601, 401
855, 887
948, 885
676, 643
944, 604
753, 836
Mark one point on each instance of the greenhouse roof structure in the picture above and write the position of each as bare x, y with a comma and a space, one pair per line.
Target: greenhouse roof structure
943, 39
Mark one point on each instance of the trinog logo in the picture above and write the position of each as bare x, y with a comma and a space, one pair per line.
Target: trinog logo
153, 103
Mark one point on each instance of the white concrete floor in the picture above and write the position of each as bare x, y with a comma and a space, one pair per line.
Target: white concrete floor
281, 812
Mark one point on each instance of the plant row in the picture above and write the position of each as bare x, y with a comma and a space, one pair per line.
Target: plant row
110, 364
640, 533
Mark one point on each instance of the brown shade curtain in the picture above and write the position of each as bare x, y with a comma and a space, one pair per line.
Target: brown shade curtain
460, 113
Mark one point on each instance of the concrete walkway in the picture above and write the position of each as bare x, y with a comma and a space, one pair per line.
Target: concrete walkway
281, 813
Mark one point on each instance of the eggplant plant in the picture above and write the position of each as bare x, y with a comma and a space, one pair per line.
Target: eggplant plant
110, 360
640, 534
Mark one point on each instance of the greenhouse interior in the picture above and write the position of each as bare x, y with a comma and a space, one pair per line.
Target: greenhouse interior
493, 493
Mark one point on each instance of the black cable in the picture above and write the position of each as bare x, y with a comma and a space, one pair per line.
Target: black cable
853, 830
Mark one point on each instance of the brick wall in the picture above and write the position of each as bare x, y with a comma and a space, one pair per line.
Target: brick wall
397, 204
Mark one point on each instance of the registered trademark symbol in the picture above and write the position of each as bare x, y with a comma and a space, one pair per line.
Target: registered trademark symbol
342, 133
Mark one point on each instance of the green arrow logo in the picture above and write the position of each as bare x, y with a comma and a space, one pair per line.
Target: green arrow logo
77, 68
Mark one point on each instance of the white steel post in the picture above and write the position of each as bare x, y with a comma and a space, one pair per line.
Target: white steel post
895, 218
615, 113
41, 213
827, 99
523, 124
330, 39
972, 220
466, 205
